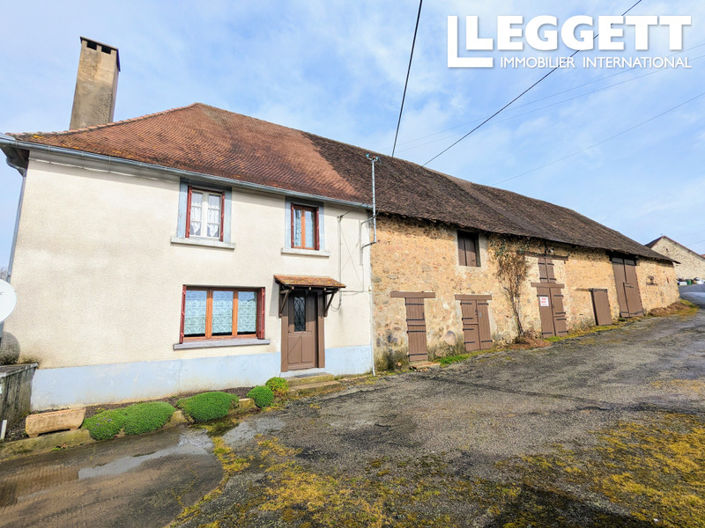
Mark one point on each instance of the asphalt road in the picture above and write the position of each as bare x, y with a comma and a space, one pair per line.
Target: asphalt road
694, 293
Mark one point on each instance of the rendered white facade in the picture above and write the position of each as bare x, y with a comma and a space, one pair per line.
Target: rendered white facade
99, 269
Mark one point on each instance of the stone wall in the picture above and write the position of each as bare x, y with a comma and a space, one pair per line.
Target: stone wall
690, 264
416, 256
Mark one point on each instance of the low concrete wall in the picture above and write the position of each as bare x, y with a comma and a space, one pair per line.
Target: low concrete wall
15, 391
123, 382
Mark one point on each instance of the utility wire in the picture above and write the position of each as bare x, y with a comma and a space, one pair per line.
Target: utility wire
406, 83
621, 133
515, 99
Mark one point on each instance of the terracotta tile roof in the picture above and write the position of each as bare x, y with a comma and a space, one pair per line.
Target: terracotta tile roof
303, 280
204, 139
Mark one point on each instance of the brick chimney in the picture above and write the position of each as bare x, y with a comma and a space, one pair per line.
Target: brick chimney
96, 84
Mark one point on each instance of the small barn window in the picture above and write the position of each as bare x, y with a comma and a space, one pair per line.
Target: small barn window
468, 249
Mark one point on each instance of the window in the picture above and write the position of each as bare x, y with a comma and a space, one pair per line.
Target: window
304, 227
205, 214
213, 313
468, 249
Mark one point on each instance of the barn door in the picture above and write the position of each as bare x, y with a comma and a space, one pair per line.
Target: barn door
551, 310
601, 307
628, 294
416, 329
476, 322
415, 322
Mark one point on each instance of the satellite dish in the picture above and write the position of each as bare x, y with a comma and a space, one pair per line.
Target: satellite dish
8, 300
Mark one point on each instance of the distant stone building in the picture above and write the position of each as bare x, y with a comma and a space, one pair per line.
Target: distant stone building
689, 264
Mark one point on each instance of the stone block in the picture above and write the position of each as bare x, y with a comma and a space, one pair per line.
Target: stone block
48, 422
246, 404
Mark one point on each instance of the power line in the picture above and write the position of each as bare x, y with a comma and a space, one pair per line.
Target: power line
621, 133
515, 99
408, 71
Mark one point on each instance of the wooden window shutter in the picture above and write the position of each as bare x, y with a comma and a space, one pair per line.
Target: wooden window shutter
317, 230
260, 314
468, 254
462, 257
471, 255
183, 313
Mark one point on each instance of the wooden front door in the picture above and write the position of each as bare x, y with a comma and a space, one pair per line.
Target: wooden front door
628, 294
476, 321
551, 311
301, 344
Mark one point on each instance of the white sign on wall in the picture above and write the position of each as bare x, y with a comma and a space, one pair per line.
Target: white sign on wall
543, 301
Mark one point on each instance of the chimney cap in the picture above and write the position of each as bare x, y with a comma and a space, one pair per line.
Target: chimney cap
107, 47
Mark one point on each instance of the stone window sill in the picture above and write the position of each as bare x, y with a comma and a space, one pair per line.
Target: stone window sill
306, 252
204, 242
215, 343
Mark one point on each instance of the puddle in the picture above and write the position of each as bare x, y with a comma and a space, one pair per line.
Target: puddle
246, 431
191, 442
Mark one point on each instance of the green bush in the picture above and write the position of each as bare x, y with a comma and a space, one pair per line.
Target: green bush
136, 419
263, 396
147, 417
106, 424
208, 405
278, 386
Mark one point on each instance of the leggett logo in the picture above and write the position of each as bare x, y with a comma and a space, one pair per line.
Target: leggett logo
579, 33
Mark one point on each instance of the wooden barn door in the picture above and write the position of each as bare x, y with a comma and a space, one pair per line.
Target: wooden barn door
551, 310
416, 329
601, 307
415, 323
476, 321
628, 294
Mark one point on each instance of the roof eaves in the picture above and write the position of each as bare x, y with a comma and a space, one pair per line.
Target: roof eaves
17, 144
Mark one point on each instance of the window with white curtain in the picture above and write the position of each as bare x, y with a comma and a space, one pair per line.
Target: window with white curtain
205, 214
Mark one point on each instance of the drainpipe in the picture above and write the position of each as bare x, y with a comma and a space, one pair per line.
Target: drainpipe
373, 159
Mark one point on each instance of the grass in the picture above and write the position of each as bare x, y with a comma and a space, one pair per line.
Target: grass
135, 419
208, 406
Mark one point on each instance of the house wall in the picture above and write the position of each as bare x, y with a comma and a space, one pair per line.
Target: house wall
689, 265
99, 283
416, 256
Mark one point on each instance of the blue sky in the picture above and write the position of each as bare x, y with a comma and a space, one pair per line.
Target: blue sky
591, 140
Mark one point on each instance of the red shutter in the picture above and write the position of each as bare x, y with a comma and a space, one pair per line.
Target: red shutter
222, 215
188, 214
183, 312
291, 243
317, 230
260, 314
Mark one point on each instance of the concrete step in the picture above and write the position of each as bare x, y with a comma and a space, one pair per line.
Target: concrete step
296, 381
313, 388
